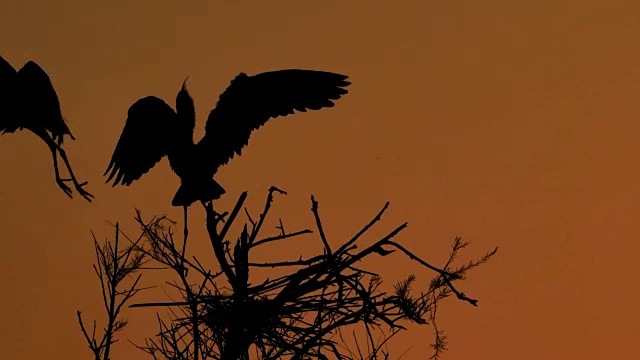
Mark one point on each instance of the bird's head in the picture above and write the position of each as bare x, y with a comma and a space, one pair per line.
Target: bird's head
184, 106
183, 95
184, 84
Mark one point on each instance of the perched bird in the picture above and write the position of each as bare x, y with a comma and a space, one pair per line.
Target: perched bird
153, 130
29, 101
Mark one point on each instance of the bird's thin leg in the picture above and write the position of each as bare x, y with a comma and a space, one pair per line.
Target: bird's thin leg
186, 232
186, 228
79, 186
55, 147
60, 181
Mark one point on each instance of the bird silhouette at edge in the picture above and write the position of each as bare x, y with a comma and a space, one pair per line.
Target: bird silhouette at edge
29, 101
154, 130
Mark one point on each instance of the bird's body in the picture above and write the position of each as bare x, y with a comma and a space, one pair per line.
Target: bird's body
153, 130
29, 101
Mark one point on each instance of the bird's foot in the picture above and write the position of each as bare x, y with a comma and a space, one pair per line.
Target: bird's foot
78, 186
84, 193
64, 187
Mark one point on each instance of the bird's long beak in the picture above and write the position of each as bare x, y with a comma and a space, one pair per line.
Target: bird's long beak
184, 84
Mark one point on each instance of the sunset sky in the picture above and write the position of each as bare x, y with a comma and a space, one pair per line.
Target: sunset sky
509, 123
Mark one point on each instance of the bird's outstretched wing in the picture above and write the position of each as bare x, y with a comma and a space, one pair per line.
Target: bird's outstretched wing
40, 101
8, 111
250, 101
145, 140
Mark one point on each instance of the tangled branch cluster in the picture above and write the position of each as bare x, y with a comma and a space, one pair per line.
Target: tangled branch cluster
300, 315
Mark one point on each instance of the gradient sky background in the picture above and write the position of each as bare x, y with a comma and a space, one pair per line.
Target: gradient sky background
510, 123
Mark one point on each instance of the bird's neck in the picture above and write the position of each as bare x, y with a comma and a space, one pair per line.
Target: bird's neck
187, 123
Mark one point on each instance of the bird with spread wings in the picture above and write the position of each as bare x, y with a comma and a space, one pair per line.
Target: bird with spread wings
154, 130
29, 101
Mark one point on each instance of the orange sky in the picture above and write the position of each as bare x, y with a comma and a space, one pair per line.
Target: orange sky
507, 123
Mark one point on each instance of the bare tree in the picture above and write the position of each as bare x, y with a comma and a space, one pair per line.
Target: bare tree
114, 265
303, 314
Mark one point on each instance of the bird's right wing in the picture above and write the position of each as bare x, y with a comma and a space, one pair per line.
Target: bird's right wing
145, 140
41, 100
250, 101
6, 69
8, 76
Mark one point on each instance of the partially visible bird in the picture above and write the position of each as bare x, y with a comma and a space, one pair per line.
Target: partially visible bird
29, 101
153, 129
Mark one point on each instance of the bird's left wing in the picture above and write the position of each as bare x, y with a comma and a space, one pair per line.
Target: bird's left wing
145, 140
250, 101
40, 99
8, 111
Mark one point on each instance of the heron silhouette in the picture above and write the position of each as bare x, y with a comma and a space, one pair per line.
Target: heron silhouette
29, 101
154, 130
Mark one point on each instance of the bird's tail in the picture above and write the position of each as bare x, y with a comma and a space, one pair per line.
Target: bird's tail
192, 191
